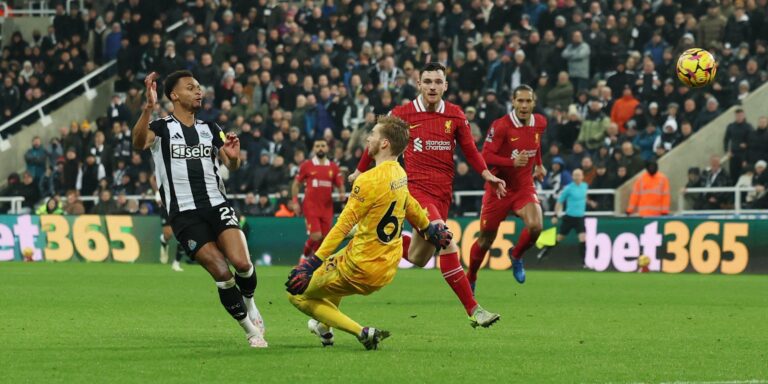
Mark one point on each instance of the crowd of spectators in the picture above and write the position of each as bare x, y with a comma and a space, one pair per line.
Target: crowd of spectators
283, 74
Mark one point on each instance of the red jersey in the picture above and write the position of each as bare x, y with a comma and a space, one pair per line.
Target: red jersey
507, 138
320, 177
429, 156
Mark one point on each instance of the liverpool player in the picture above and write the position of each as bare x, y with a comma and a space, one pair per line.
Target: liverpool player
512, 149
320, 175
435, 128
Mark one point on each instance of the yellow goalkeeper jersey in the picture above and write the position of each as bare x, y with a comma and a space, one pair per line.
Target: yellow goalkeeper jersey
378, 204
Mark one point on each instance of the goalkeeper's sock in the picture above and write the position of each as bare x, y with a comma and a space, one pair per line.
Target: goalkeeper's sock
406, 243
476, 257
526, 240
454, 275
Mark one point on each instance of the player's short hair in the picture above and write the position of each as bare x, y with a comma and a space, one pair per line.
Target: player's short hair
396, 131
433, 66
172, 79
523, 87
320, 139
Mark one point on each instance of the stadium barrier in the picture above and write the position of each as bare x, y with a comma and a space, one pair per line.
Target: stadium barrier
673, 244
737, 193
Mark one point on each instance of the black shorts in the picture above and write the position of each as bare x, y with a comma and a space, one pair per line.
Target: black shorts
195, 228
567, 223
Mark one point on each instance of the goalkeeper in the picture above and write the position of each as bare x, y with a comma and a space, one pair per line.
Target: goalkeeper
378, 204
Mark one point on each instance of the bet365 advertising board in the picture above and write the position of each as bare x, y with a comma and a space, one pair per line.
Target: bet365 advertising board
613, 244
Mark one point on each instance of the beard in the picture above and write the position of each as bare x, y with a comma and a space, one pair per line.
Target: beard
320, 155
373, 149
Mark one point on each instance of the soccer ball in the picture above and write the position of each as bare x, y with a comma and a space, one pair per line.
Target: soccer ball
696, 67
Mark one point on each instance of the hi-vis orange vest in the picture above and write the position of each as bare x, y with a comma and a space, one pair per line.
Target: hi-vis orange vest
650, 195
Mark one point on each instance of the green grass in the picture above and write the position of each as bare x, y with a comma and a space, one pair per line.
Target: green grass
96, 323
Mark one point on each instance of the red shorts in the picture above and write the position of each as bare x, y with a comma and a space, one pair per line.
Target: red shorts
495, 210
320, 224
436, 208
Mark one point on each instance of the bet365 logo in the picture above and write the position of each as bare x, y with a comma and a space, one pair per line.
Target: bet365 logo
704, 247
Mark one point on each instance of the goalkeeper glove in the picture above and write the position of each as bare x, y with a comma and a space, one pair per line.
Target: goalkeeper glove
298, 279
437, 234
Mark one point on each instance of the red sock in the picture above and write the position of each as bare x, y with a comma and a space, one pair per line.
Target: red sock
476, 257
406, 244
454, 275
310, 246
525, 241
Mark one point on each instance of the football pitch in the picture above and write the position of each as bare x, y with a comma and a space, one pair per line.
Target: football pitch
116, 323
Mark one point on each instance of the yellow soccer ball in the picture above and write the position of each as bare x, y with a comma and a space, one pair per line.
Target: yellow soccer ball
643, 261
696, 67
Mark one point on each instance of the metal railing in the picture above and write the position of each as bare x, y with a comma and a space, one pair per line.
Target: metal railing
542, 193
15, 201
90, 93
40, 10
737, 192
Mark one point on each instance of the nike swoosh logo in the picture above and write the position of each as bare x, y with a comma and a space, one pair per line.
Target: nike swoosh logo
514, 138
414, 126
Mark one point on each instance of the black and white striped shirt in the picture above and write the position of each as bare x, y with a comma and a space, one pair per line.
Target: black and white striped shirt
186, 164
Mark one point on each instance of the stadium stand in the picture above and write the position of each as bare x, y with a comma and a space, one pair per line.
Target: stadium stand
282, 74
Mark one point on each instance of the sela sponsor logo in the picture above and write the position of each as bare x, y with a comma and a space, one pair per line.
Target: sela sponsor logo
530, 153
420, 145
181, 151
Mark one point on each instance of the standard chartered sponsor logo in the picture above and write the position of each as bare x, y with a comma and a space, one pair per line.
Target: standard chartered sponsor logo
181, 151
420, 145
529, 153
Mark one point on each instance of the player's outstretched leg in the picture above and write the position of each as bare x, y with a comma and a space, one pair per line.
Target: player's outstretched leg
532, 217
371, 337
247, 282
327, 312
213, 261
477, 254
324, 332
176, 266
233, 245
163, 249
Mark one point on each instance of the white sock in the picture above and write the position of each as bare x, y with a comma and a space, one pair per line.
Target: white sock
322, 328
250, 305
248, 327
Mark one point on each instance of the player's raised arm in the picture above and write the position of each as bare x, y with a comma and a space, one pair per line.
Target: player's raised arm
358, 205
143, 137
230, 151
464, 137
362, 166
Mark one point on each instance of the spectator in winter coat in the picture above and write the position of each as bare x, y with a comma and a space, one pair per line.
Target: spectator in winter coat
645, 139
758, 141
710, 113
577, 54
624, 109
561, 95
36, 159
668, 139
712, 26
594, 126
735, 141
